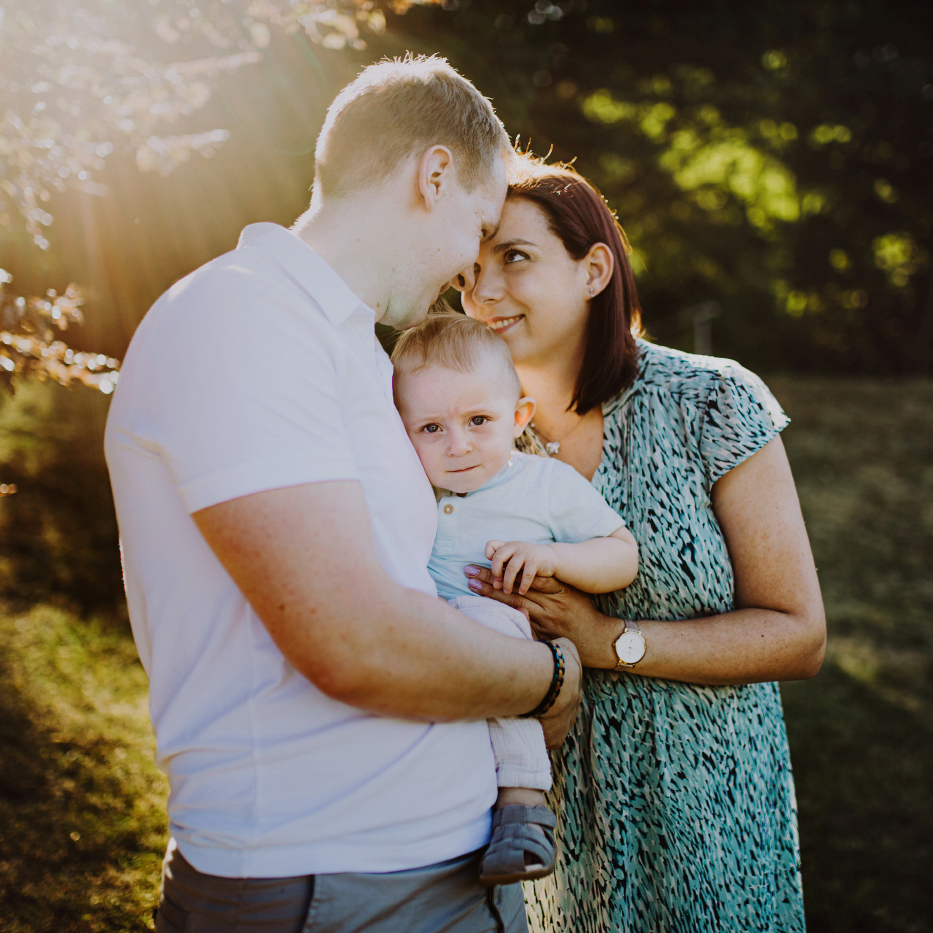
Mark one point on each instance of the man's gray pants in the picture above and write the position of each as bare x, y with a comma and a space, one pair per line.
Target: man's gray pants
442, 898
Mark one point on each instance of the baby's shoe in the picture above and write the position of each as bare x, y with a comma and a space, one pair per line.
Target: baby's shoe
522, 846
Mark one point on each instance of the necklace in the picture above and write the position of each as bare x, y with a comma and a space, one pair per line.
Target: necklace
553, 447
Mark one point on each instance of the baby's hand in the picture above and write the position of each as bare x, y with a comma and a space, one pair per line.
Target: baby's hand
510, 557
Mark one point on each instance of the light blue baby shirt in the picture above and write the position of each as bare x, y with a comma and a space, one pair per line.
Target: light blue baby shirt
534, 499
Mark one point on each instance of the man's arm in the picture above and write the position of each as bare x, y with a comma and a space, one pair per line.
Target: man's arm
304, 558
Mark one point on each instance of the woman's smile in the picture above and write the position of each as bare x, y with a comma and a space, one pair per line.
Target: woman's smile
501, 324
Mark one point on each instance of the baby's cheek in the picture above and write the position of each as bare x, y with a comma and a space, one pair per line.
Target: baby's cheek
433, 470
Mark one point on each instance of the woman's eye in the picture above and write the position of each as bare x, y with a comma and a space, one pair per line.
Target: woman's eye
477, 420
514, 255
431, 428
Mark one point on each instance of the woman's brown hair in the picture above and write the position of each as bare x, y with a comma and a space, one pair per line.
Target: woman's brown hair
580, 217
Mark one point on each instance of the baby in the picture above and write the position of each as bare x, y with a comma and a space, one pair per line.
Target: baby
460, 399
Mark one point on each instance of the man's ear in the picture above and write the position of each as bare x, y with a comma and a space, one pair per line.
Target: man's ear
524, 412
599, 265
435, 173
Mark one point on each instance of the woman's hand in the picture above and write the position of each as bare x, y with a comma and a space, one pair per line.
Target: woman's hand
557, 610
777, 630
559, 719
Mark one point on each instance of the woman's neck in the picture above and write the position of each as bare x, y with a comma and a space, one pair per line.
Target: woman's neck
552, 386
579, 441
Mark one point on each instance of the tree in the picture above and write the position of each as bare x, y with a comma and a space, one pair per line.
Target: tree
81, 82
774, 156
770, 156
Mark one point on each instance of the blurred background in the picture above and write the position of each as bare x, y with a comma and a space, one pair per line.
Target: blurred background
771, 164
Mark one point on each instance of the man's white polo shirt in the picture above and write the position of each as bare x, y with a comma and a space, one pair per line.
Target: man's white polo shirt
257, 371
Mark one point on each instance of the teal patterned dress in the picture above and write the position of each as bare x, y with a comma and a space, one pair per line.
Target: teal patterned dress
676, 801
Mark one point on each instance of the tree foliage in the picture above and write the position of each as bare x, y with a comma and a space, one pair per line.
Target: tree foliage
775, 156
29, 346
771, 156
81, 82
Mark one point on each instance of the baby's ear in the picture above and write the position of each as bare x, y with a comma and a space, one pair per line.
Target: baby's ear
524, 412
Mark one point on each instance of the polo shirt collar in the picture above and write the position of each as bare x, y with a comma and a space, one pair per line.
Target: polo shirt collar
306, 268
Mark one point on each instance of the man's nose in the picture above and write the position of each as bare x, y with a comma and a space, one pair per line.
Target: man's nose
465, 281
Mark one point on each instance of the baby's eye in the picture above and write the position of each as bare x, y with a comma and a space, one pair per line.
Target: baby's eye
431, 428
477, 420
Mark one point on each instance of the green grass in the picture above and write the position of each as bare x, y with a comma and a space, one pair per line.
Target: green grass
82, 808
861, 733
58, 534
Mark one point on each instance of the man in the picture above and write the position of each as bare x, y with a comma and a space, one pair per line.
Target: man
320, 714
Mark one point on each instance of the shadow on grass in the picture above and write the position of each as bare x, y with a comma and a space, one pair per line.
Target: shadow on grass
82, 808
861, 733
82, 816
862, 764
58, 534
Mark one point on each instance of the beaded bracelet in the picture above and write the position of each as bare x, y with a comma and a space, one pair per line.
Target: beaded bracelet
557, 681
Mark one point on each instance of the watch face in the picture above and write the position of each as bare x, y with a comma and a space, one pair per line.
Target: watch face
630, 647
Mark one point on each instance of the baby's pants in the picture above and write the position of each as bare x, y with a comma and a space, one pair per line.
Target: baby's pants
518, 744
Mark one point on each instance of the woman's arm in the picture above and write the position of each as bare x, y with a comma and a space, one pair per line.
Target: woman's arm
778, 630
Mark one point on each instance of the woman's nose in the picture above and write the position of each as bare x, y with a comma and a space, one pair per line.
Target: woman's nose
482, 288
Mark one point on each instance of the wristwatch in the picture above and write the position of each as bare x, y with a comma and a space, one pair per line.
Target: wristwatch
630, 646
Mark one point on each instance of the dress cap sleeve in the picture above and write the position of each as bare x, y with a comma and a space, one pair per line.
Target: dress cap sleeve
741, 417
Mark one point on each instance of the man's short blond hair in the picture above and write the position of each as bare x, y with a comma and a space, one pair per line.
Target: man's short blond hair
457, 342
397, 108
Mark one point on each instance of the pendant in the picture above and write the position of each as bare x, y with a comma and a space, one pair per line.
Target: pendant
552, 447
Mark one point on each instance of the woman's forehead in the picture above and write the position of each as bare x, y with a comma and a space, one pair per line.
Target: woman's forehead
522, 219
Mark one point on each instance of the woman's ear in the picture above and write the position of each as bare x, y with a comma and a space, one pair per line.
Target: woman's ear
599, 267
524, 412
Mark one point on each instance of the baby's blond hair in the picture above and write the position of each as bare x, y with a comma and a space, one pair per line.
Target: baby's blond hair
454, 341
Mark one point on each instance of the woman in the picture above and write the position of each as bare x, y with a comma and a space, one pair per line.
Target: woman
674, 789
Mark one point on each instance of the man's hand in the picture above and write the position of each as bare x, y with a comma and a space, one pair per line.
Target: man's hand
559, 719
511, 557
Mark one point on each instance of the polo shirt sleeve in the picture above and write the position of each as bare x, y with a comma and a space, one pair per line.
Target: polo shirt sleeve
242, 392
577, 512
